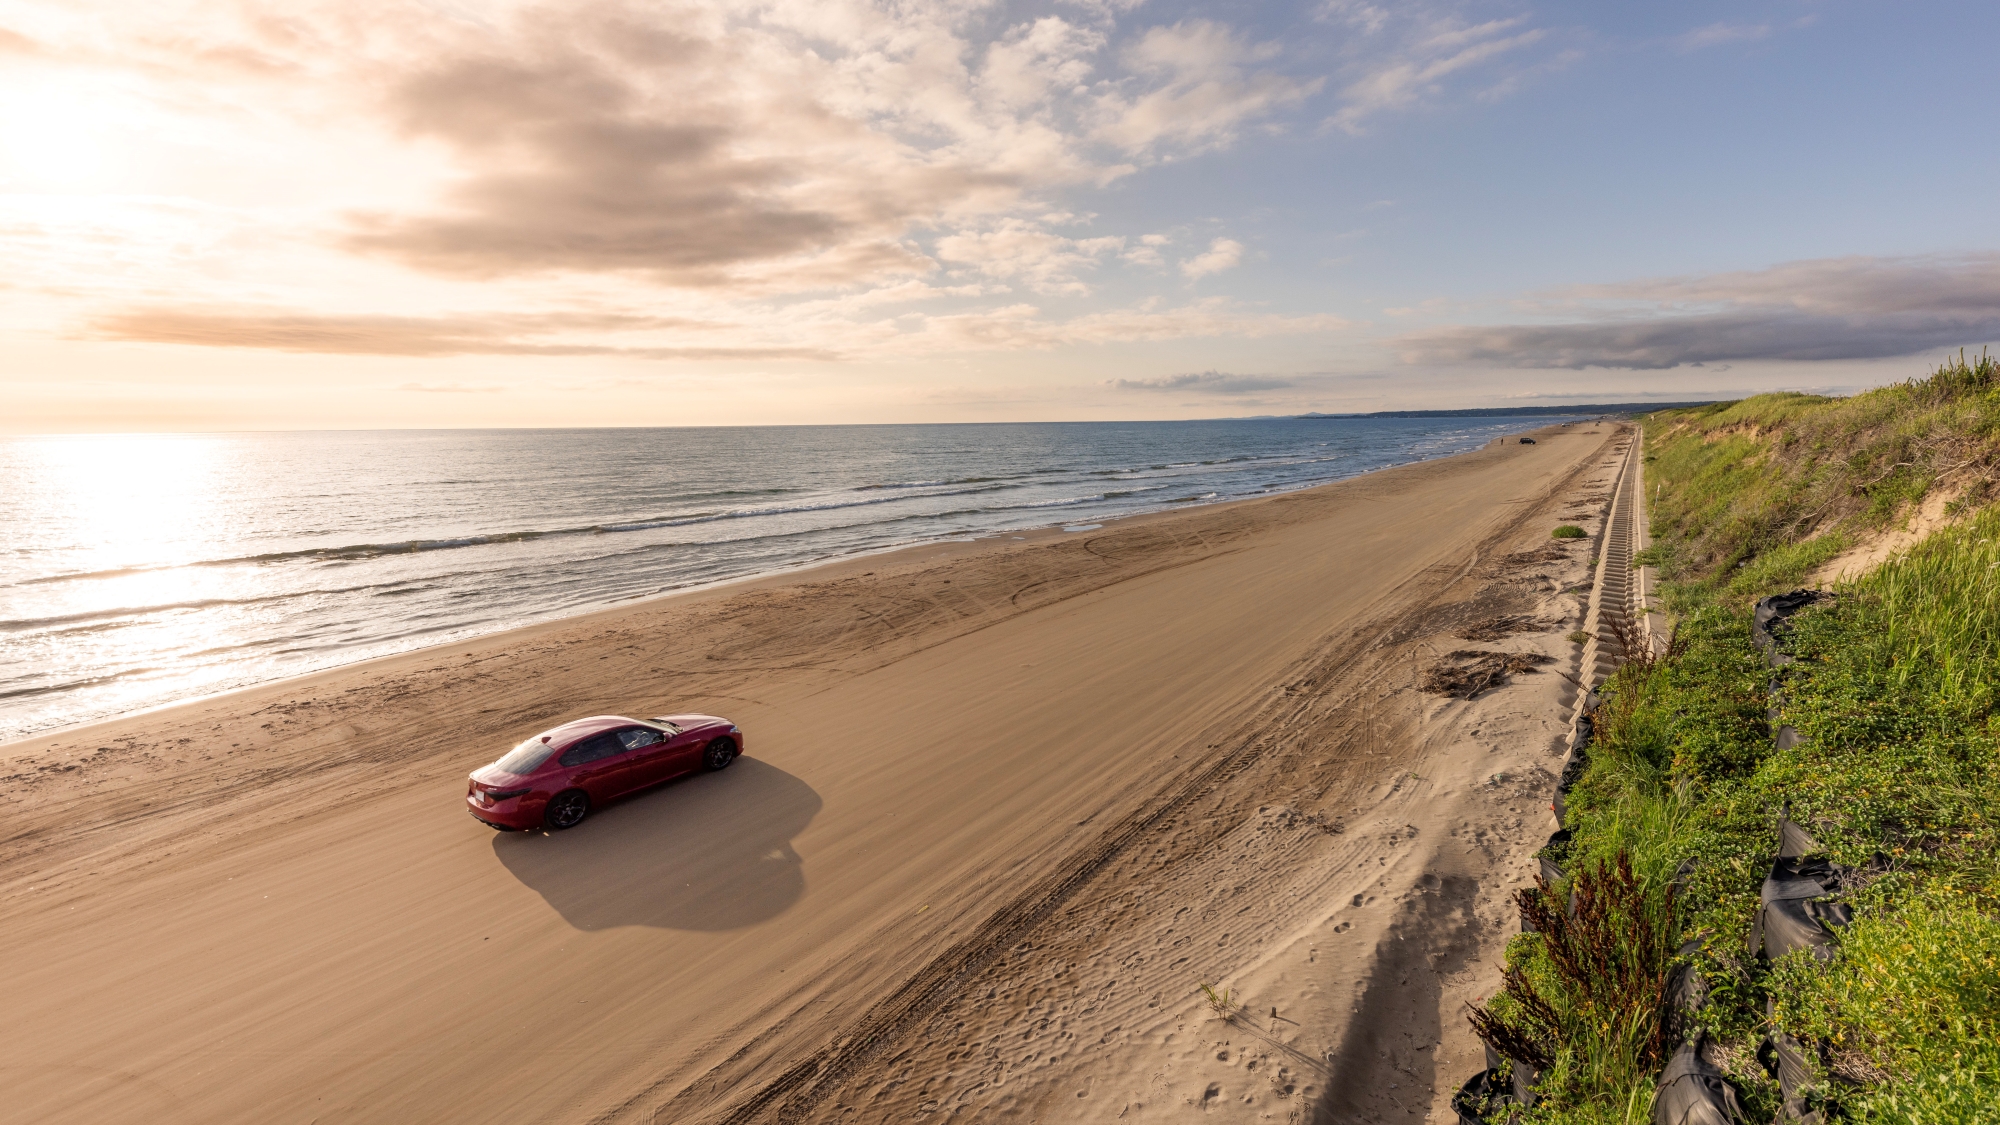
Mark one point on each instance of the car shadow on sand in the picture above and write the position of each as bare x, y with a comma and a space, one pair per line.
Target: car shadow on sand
711, 852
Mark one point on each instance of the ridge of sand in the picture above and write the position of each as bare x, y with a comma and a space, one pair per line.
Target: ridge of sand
964, 762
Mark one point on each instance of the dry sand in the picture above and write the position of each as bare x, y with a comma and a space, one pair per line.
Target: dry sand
1007, 805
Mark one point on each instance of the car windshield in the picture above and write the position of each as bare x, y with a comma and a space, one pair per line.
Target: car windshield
527, 757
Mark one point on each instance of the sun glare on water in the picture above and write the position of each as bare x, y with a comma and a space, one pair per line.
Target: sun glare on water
96, 552
127, 500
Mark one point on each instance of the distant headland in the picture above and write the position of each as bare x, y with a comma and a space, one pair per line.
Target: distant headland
1510, 411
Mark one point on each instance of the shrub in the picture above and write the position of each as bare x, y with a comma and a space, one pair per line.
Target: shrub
1567, 531
1585, 992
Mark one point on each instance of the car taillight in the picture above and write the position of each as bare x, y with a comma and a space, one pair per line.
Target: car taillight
504, 794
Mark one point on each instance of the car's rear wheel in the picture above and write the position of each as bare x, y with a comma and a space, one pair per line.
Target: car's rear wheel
719, 754
567, 809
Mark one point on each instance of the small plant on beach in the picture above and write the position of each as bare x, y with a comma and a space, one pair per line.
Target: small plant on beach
1222, 1002
1567, 531
1579, 637
1585, 994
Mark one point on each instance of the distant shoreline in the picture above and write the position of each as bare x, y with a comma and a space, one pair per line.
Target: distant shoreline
1517, 411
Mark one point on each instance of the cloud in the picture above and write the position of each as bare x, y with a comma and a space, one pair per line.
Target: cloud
1716, 34
1147, 251
1222, 254
825, 331
600, 141
1825, 309
14, 43
1205, 382
1202, 93
1020, 327
1046, 262
796, 147
1402, 57
416, 336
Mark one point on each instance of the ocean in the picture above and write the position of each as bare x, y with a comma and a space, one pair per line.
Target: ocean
139, 570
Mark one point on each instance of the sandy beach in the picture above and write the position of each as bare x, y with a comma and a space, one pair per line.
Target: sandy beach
1007, 805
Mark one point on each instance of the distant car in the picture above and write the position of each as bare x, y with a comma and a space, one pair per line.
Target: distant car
556, 778
1527, 441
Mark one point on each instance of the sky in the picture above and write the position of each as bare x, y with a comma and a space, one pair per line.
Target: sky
251, 215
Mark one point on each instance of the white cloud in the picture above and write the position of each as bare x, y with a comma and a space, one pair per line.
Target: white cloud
1403, 57
1222, 254
1046, 262
1197, 89
734, 148
1147, 251
765, 182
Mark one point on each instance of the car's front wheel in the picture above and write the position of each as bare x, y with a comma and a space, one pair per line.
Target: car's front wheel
567, 809
719, 754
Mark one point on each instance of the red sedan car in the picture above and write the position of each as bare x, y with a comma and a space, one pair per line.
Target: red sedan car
554, 779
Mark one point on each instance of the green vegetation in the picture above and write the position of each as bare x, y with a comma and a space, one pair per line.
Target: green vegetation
1896, 774
1751, 496
1567, 531
1222, 1003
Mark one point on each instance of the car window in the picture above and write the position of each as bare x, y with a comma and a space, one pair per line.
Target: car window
636, 737
593, 748
527, 757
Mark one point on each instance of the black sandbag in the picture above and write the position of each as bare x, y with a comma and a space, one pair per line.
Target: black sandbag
1572, 772
1692, 1091
1790, 911
1785, 1058
1793, 914
1552, 854
1481, 1094
1526, 1078
1519, 1089
1768, 622
1687, 990
1577, 758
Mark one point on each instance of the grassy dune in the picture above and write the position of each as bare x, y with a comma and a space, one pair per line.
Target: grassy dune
1897, 773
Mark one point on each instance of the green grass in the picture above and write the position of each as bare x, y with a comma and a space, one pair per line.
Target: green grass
1567, 531
1911, 1006
1752, 495
1894, 693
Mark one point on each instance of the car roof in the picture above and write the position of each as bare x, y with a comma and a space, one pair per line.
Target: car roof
576, 730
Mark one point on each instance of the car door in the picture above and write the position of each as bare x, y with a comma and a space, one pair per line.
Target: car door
683, 753
600, 766
652, 753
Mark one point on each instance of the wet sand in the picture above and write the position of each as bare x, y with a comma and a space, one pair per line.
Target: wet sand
989, 787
